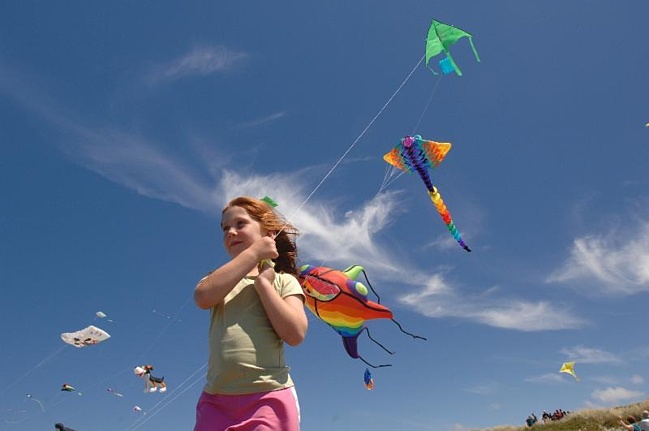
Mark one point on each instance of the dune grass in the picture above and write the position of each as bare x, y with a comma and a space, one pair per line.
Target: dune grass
606, 419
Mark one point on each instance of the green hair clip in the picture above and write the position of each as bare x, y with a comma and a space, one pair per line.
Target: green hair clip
269, 201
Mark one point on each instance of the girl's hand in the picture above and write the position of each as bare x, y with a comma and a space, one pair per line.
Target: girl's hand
266, 272
265, 248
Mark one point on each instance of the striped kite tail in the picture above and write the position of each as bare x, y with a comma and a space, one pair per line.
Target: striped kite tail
446, 216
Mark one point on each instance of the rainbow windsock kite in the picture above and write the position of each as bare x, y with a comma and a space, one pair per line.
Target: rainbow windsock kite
338, 299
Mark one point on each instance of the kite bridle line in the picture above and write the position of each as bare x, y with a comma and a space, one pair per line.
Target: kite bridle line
430, 99
391, 173
358, 138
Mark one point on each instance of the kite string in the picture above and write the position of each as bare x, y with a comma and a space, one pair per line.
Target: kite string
430, 99
137, 425
297, 210
42, 362
358, 138
163, 331
145, 352
348, 150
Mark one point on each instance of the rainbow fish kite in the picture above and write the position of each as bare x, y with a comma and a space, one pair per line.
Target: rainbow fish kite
414, 154
340, 301
439, 40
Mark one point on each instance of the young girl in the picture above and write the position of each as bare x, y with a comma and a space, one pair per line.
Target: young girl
254, 309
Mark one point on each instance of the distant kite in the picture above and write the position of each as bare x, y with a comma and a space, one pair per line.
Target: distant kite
368, 380
85, 337
103, 315
439, 40
151, 383
113, 392
569, 368
414, 154
69, 388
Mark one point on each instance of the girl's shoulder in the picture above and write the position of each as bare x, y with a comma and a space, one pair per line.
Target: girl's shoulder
287, 283
286, 278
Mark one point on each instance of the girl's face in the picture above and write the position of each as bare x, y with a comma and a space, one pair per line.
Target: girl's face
239, 230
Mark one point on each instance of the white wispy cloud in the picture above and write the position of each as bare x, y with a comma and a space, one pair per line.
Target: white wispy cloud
139, 165
609, 265
329, 237
199, 61
257, 122
615, 395
604, 380
546, 378
589, 355
440, 299
485, 388
637, 379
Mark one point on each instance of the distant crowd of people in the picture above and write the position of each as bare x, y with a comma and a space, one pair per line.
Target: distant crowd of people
546, 417
631, 423
555, 416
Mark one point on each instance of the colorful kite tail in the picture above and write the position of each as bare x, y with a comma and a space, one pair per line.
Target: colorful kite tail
446, 216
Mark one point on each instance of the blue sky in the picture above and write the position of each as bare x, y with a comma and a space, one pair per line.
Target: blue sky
126, 127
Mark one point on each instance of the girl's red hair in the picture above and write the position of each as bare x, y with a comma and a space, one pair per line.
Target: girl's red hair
273, 222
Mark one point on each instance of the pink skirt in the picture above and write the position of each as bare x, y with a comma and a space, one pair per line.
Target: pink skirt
267, 411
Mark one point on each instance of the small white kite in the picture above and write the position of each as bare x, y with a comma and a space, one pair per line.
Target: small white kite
85, 337
103, 315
